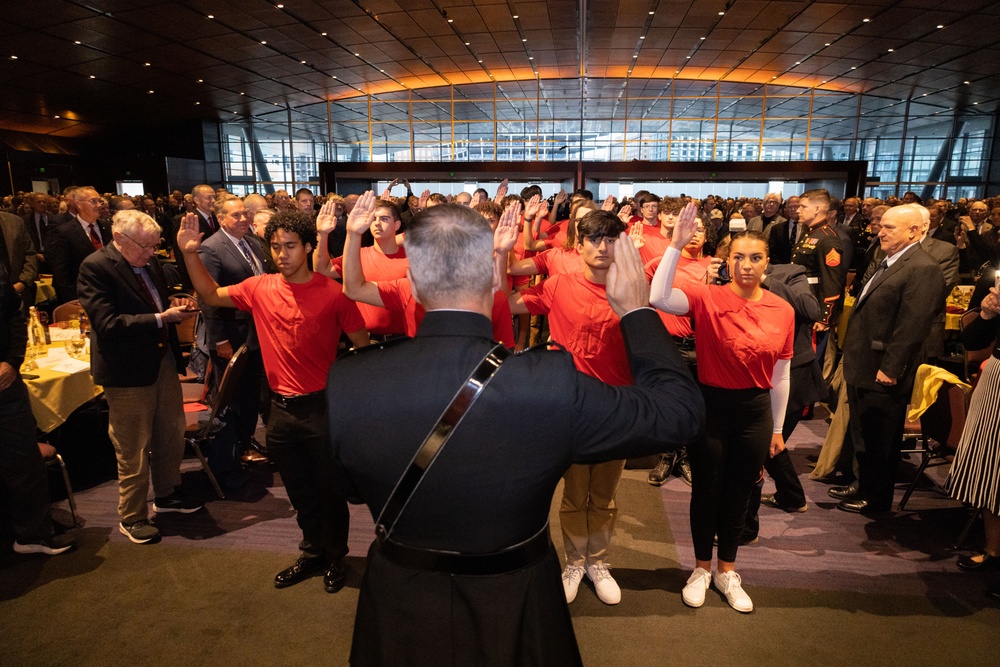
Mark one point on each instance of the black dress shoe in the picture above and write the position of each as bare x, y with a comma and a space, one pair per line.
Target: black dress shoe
304, 567
860, 506
849, 492
335, 576
987, 564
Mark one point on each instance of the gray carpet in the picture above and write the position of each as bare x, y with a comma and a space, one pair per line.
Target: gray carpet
828, 587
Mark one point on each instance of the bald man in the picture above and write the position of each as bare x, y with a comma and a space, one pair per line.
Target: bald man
891, 319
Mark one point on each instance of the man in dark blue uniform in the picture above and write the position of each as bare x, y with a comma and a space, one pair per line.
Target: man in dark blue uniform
488, 494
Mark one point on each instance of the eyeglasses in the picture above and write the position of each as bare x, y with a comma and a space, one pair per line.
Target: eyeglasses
95, 202
145, 246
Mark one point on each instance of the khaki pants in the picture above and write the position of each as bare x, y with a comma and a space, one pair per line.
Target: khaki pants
588, 511
146, 426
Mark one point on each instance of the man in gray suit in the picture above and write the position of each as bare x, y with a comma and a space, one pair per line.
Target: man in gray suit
18, 254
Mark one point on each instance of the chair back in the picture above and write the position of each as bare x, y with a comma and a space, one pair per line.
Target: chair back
230, 380
944, 420
67, 310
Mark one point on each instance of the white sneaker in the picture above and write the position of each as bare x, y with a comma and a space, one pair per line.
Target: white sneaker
571, 578
730, 585
696, 587
605, 585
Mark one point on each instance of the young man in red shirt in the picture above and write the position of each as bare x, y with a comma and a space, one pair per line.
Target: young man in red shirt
299, 316
386, 260
581, 320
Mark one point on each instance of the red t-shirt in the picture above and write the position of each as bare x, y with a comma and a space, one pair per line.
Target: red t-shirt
299, 327
378, 266
581, 320
558, 260
691, 270
555, 235
397, 295
738, 341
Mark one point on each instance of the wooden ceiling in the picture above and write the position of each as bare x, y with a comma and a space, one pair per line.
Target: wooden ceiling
81, 68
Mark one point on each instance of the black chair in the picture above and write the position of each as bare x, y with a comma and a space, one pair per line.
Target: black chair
940, 431
198, 433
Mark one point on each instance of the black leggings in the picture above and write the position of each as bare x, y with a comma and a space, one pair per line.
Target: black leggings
725, 465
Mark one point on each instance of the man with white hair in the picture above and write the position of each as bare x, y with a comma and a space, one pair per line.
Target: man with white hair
135, 356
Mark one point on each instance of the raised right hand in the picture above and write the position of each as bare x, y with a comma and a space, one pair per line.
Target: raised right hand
627, 288
360, 218
686, 227
326, 220
188, 236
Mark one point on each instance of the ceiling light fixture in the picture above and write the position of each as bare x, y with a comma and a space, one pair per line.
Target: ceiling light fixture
263, 41
57, 116
827, 44
966, 82
211, 16
854, 68
642, 37
940, 26
145, 64
77, 42
92, 76
722, 13
13, 57
865, 20
323, 33
197, 103
466, 43
357, 55
891, 50
651, 13
280, 6
150, 91
242, 93
515, 16
702, 39
201, 81
525, 39
333, 77
303, 62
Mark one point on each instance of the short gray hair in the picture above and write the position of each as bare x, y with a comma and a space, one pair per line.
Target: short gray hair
450, 249
133, 221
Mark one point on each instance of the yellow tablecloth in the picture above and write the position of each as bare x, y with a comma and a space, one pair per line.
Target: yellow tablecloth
54, 395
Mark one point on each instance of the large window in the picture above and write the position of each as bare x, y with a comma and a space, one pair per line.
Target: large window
909, 145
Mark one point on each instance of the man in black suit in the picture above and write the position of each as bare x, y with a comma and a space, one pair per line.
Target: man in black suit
17, 253
890, 321
68, 244
203, 197
38, 222
784, 234
490, 490
230, 257
135, 356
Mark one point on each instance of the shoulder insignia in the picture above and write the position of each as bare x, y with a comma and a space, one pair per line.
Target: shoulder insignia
832, 258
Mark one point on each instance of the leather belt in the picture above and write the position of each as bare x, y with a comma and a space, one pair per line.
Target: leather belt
288, 400
453, 562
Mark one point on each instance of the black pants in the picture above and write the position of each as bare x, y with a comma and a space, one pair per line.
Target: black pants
296, 444
725, 466
876, 425
788, 490
22, 470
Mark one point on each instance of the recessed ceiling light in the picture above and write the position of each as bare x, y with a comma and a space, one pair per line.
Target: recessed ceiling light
466, 43
854, 68
333, 77
357, 55
642, 37
891, 50
524, 40
242, 93
13, 57
263, 41
865, 20
973, 103
451, 20
323, 33
280, 6
150, 92
303, 62
722, 13
651, 13
798, 63
515, 16
687, 57
702, 39
827, 44
966, 82
201, 81
940, 26
823, 82
480, 61
145, 64
382, 70
57, 116
924, 95
236, 112
638, 56
77, 42
211, 16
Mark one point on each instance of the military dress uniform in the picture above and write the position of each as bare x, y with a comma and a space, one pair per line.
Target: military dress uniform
821, 252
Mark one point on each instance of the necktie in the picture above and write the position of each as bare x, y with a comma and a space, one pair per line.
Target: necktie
881, 268
250, 258
145, 288
40, 226
212, 224
95, 240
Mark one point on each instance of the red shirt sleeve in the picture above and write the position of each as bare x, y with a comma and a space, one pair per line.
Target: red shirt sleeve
394, 295
538, 299
242, 293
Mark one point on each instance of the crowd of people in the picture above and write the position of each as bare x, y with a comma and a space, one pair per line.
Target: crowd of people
747, 292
